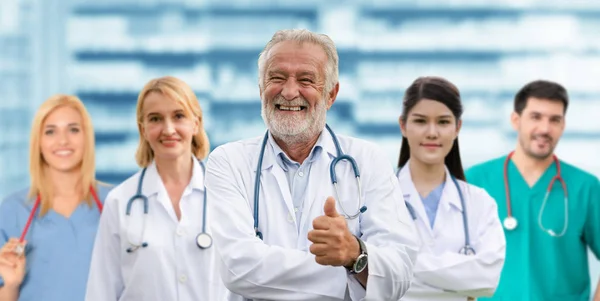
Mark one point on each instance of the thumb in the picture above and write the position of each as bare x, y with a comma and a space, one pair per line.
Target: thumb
329, 208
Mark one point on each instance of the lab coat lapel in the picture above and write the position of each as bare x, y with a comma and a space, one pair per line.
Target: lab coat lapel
414, 199
319, 187
270, 167
450, 200
154, 189
318, 190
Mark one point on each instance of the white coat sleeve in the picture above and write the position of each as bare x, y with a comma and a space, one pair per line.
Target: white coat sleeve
388, 232
475, 275
248, 266
105, 282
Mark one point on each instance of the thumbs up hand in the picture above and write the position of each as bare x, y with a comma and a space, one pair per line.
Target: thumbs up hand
329, 208
333, 244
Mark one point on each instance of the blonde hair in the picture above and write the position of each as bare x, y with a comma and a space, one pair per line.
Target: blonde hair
38, 166
182, 93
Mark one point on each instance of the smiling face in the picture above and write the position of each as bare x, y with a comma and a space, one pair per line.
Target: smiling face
294, 103
540, 125
430, 129
167, 127
62, 140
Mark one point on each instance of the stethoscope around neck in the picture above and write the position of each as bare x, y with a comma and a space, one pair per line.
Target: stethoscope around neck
332, 174
467, 249
203, 239
510, 222
20, 249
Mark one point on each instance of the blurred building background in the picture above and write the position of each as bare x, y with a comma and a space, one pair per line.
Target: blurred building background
104, 51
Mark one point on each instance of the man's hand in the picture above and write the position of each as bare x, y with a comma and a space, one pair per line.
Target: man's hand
333, 244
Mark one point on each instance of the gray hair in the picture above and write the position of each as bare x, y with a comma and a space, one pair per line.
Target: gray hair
303, 36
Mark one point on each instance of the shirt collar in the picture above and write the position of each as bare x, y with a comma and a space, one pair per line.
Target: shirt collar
285, 161
325, 141
152, 181
448, 186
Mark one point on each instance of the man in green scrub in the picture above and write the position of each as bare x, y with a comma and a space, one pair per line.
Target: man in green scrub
546, 251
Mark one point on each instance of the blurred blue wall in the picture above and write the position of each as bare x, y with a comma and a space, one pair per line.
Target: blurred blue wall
104, 51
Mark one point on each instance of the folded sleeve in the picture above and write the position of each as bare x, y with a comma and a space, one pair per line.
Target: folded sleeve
475, 275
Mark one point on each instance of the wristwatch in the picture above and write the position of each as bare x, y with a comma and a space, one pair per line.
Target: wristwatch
361, 261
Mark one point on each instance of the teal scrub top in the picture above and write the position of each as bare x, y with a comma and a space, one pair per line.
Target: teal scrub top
539, 266
58, 249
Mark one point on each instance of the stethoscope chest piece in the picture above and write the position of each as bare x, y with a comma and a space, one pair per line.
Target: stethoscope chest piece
510, 223
204, 240
19, 250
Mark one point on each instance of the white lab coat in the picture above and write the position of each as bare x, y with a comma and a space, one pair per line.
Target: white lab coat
281, 267
441, 273
171, 267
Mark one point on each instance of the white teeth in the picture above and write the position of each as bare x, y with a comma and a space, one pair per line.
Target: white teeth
286, 108
63, 152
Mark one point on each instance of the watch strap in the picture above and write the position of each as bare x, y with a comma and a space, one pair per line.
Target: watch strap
362, 251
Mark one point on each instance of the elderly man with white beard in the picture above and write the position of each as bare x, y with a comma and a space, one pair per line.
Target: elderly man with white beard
302, 213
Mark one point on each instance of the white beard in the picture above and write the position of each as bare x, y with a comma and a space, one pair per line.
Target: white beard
297, 129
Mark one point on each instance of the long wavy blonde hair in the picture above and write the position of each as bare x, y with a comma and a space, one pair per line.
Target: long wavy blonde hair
40, 184
183, 94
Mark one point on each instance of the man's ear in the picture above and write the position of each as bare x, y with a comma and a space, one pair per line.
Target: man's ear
332, 95
515, 118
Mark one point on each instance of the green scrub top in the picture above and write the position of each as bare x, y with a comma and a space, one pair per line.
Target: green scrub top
539, 266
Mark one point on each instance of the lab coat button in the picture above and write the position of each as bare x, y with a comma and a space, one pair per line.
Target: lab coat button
301, 174
290, 218
182, 278
179, 232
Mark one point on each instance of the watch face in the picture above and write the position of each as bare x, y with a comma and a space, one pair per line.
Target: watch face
361, 263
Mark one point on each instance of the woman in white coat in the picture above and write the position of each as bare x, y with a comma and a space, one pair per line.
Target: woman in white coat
462, 245
153, 241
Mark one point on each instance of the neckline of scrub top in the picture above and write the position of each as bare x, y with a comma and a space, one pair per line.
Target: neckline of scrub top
75, 216
540, 186
54, 216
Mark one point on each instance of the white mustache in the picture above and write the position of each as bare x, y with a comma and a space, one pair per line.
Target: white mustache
296, 102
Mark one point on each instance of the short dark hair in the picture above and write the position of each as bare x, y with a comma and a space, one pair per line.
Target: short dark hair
542, 89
